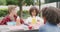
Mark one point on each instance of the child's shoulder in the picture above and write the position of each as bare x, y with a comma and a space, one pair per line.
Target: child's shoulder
39, 17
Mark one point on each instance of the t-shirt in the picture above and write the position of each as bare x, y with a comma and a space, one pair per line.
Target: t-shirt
35, 20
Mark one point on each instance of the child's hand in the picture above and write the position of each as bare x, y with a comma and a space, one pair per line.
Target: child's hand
18, 21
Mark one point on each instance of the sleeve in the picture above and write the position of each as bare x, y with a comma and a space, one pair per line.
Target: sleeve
41, 29
4, 20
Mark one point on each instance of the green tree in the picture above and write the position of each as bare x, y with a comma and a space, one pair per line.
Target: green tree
3, 12
29, 2
2, 2
12, 2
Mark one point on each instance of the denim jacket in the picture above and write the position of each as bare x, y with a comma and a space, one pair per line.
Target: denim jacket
49, 28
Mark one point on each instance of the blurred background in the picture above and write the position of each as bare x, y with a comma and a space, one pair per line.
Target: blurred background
24, 6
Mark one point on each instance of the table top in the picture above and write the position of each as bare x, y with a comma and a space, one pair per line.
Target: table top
22, 27
35, 30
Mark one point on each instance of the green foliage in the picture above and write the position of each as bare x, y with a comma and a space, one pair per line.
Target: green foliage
19, 2
29, 2
16, 2
12, 2
2, 2
3, 12
25, 14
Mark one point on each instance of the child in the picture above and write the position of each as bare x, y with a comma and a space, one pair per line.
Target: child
12, 16
52, 17
34, 19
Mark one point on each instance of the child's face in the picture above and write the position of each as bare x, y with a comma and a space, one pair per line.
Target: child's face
14, 12
34, 13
